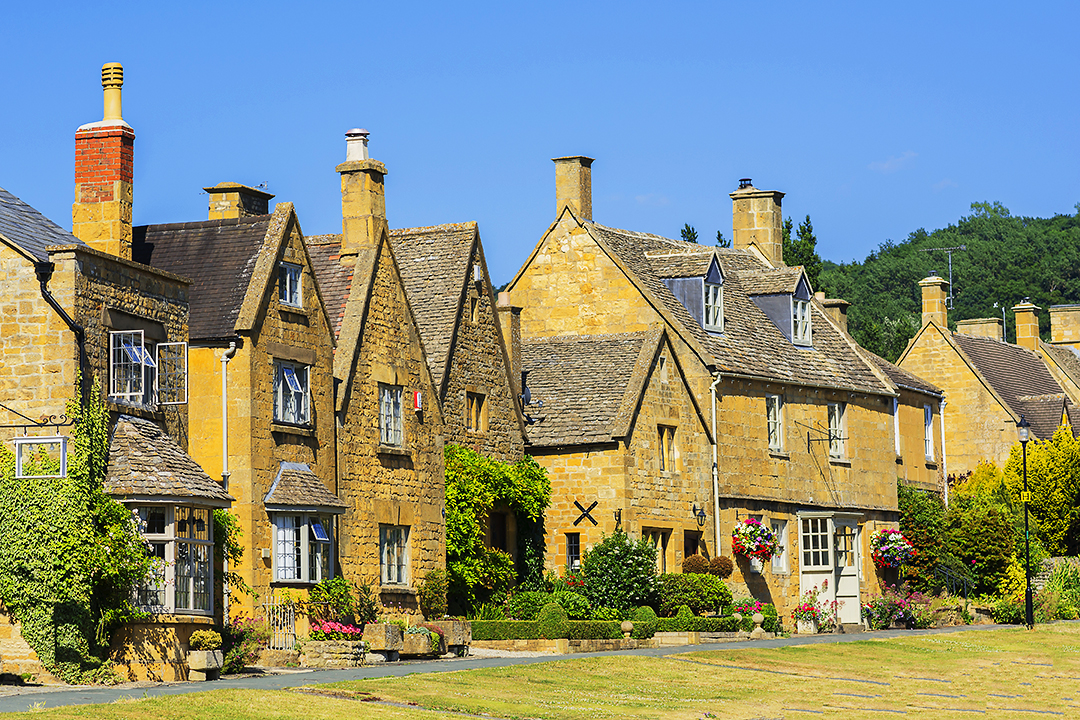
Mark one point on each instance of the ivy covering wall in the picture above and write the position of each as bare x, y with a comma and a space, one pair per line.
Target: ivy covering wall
475, 484
70, 555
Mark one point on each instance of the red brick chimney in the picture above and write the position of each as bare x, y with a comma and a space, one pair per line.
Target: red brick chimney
104, 154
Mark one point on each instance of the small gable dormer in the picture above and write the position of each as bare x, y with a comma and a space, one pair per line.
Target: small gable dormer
784, 295
702, 295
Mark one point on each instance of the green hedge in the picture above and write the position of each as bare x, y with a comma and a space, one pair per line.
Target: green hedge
530, 630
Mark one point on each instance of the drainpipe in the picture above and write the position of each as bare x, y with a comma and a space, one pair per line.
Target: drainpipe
715, 472
944, 458
225, 357
44, 271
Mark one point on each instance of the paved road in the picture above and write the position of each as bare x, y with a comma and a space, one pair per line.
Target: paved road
30, 698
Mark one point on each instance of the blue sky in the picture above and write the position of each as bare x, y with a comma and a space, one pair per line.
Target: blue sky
875, 118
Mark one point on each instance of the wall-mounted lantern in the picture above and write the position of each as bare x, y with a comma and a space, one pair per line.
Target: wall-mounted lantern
699, 514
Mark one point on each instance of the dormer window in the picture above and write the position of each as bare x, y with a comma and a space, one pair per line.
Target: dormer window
289, 289
714, 307
800, 321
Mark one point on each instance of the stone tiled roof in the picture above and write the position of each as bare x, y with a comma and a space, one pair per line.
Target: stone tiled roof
434, 264
25, 227
145, 462
902, 377
334, 278
751, 344
218, 255
680, 262
774, 281
296, 486
582, 380
1021, 379
1065, 357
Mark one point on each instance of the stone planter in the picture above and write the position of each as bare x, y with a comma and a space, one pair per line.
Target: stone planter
204, 664
457, 634
383, 640
419, 644
332, 653
806, 627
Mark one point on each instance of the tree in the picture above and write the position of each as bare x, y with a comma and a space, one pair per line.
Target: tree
688, 233
802, 250
1053, 475
722, 241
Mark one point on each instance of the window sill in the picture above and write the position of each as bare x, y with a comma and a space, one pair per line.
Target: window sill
293, 314
193, 617
125, 407
931, 464
841, 462
305, 430
391, 450
779, 455
397, 590
294, 583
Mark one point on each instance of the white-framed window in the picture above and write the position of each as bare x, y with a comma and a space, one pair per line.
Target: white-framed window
182, 538
815, 543
801, 332
666, 441
394, 554
475, 411
573, 551
837, 440
896, 424
389, 415
779, 559
659, 540
292, 403
132, 367
171, 376
40, 457
774, 413
844, 542
714, 307
303, 547
290, 291
928, 432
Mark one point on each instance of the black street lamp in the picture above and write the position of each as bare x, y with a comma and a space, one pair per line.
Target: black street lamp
1025, 497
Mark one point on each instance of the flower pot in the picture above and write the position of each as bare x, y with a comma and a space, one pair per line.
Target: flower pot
806, 627
204, 664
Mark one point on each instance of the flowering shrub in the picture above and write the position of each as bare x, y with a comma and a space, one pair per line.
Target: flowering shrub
330, 630
752, 539
890, 548
812, 608
898, 604
243, 639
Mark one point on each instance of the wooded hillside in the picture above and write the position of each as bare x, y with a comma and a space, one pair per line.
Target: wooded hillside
1007, 259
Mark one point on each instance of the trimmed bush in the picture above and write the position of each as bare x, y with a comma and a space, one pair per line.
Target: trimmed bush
643, 630
695, 564
551, 621
204, 640
749, 607
721, 566
689, 623
527, 605
644, 614
432, 594
593, 630
701, 593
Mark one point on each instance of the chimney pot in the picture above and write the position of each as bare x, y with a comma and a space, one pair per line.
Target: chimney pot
745, 183
112, 80
356, 145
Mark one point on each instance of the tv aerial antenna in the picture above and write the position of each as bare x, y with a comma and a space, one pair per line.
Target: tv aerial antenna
949, 251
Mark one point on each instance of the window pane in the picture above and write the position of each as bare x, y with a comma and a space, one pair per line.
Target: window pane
201, 582
153, 521
288, 547
182, 575
152, 591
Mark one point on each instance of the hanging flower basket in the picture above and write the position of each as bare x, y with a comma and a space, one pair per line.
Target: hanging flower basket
753, 540
890, 549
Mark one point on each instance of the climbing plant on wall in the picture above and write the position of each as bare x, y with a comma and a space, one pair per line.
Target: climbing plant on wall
70, 556
474, 485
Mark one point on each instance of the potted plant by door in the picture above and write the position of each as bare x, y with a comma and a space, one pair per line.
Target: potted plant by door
807, 614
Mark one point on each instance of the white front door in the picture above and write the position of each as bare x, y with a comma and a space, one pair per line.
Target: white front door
846, 571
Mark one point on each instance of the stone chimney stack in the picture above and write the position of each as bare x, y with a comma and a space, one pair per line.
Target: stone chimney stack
1027, 325
933, 301
982, 327
1065, 325
363, 197
573, 185
104, 158
510, 327
233, 200
757, 221
837, 310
